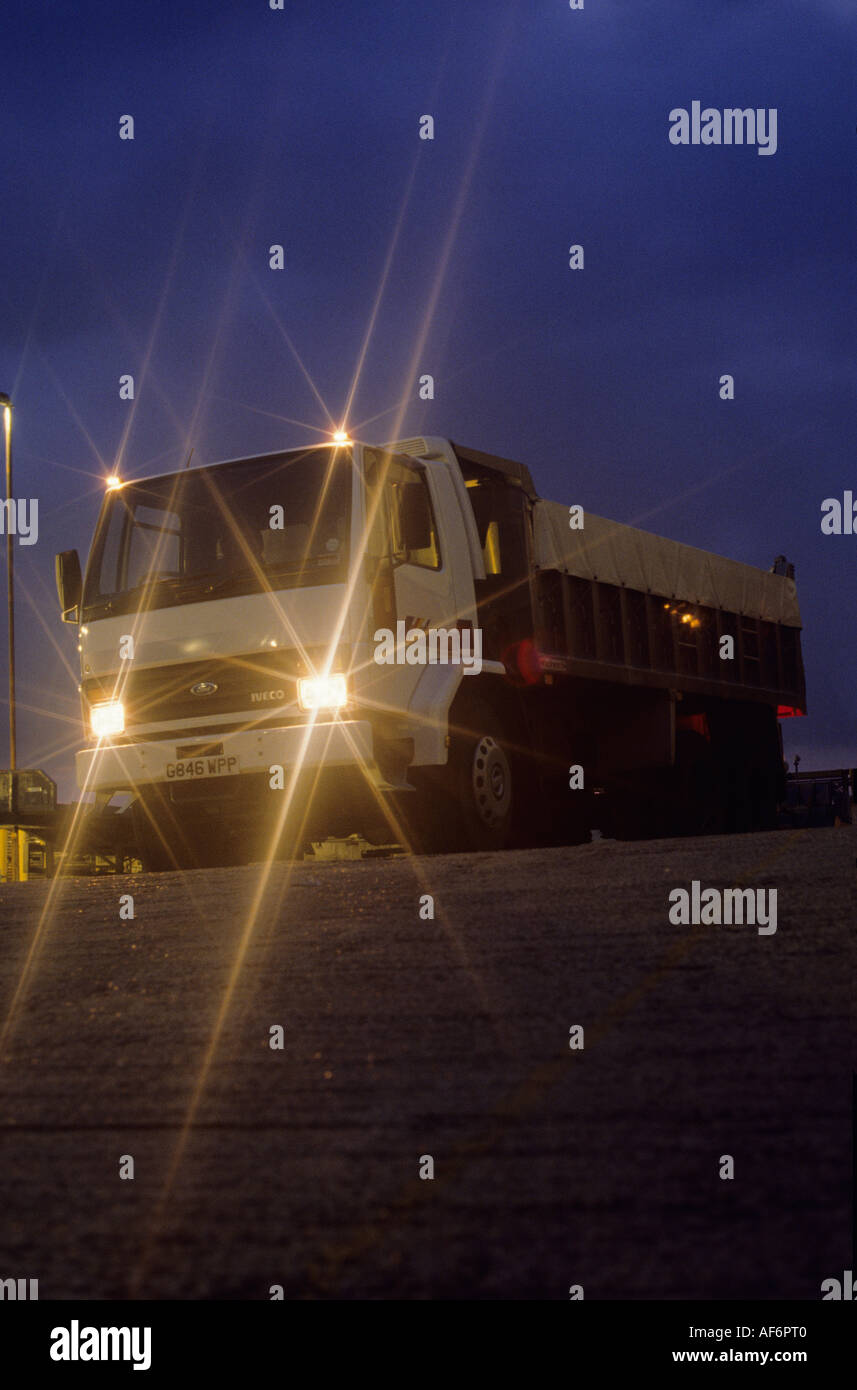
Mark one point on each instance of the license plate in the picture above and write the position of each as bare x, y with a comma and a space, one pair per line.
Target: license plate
217, 766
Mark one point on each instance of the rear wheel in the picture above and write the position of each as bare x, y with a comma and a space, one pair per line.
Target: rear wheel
750, 742
700, 796
638, 806
763, 798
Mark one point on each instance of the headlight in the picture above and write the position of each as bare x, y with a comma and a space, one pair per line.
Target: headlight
322, 692
107, 719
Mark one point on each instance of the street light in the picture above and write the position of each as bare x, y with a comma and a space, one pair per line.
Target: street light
6, 404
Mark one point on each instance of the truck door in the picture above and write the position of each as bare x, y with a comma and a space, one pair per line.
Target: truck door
415, 578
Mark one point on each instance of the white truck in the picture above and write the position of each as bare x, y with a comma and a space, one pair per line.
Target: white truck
406, 642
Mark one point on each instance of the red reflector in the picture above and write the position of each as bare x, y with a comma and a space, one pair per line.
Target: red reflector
696, 723
522, 663
790, 712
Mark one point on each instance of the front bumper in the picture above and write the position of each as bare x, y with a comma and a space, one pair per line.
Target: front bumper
118, 767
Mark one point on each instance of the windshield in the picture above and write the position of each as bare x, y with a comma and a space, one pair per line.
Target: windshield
236, 528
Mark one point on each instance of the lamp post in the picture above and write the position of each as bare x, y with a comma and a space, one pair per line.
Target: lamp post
10, 576
6, 405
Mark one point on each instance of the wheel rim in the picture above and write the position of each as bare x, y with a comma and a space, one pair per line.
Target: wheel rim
491, 781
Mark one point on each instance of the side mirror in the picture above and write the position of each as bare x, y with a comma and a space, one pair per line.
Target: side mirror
415, 517
69, 585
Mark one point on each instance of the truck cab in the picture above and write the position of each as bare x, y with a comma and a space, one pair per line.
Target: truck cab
227, 619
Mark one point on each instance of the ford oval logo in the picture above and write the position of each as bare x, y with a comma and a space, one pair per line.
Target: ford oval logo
203, 688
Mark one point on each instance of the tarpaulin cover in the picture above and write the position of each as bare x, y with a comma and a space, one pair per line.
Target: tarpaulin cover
617, 554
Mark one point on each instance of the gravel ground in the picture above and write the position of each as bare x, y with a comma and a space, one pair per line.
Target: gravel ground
405, 1037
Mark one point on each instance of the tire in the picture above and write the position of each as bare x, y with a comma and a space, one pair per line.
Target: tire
700, 798
468, 803
763, 798
638, 806
167, 842
749, 750
153, 840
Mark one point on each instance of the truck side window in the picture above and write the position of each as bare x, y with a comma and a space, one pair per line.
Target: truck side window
408, 511
499, 514
415, 533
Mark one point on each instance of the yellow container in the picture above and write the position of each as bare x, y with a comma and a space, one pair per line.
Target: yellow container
23, 855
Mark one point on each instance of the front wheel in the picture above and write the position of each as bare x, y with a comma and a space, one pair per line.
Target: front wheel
485, 780
168, 841
155, 839
468, 803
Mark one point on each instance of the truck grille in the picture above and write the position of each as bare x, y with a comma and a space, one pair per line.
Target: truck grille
260, 681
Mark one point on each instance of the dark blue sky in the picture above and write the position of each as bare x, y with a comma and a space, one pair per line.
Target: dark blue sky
300, 127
